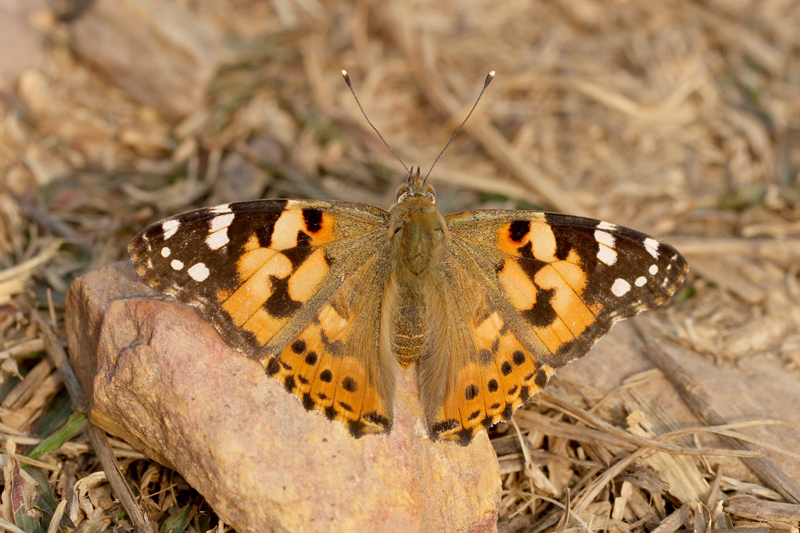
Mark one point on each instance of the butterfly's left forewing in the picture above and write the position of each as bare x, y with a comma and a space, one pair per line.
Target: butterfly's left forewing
548, 286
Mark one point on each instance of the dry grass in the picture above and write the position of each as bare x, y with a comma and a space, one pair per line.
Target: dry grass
680, 119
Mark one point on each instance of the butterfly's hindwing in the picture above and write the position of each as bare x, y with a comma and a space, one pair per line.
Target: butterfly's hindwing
485, 372
335, 365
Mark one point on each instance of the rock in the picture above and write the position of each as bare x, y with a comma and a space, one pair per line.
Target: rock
157, 51
156, 374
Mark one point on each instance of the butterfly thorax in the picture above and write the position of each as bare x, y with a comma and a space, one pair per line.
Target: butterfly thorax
417, 236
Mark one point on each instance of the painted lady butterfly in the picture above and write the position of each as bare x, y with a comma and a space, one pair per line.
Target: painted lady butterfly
335, 298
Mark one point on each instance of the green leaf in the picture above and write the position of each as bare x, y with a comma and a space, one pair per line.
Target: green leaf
76, 424
177, 522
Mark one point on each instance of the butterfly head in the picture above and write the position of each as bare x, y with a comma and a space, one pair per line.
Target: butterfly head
415, 187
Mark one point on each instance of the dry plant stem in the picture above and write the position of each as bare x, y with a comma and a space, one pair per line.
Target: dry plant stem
674, 521
53, 223
763, 468
551, 400
96, 436
478, 127
755, 509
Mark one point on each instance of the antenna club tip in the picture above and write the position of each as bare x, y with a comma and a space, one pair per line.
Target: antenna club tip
491, 74
344, 73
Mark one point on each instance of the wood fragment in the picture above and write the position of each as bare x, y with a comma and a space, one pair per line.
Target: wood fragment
755, 509
691, 394
674, 521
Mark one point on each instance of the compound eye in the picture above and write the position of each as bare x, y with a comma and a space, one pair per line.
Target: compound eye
401, 192
430, 193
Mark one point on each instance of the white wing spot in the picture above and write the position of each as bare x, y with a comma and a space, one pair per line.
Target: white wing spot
221, 221
165, 251
218, 239
604, 238
620, 287
606, 252
640, 281
169, 228
221, 209
607, 226
149, 263
177, 265
652, 246
198, 272
653, 270
607, 255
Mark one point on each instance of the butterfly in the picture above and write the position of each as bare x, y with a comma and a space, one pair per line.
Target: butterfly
336, 298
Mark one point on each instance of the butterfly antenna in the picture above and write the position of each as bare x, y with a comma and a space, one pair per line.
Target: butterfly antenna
486, 83
347, 80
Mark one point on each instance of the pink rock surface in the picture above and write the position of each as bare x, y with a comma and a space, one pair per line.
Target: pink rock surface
158, 375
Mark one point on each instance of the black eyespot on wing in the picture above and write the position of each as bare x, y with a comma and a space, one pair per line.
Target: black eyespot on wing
312, 219
518, 230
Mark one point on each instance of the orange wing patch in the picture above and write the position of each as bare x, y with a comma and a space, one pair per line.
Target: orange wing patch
490, 389
314, 368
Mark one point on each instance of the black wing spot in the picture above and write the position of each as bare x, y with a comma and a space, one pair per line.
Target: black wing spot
519, 357
494, 406
518, 229
273, 366
299, 253
542, 314
326, 376
474, 415
346, 406
512, 390
524, 393
311, 358
440, 427
464, 436
299, 346
330, 412
508, 411
349, 384
493, 385
289, 383
375, 418
280, 304
505, 368
322, 396
471, 392
356, 428
308, 402
313, 219
541, 378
